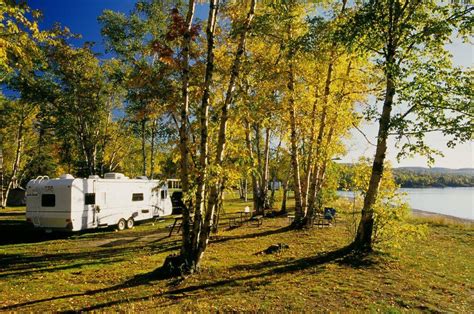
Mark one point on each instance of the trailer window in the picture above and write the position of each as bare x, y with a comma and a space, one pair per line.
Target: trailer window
164, 194
137, 197
89, 199
48, 200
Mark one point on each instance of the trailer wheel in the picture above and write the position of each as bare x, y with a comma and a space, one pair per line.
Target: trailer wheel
130, 223
121, 224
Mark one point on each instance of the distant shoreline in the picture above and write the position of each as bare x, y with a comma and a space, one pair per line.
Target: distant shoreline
435, 186
424, 213
419, 212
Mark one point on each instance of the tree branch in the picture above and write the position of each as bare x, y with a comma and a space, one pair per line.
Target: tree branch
363, 134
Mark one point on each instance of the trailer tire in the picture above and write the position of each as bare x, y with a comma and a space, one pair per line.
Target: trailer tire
121, 225
130, 223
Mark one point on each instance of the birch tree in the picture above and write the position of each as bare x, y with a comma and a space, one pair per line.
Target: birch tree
422, 91
198, 215
16, 140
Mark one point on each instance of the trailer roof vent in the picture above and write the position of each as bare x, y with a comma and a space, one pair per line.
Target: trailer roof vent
142, 178
94, 176
66, 176
114, 175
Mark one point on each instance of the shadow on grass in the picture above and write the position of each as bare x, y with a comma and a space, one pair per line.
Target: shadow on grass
15, 232
217, 239
120, 242
343, 256
20, 232
53, 269
135, 281
12, 214
22, 264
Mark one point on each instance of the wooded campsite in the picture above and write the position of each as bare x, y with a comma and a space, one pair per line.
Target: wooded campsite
247, 106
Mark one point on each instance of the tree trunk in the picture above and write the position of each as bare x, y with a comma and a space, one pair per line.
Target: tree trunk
91, 142
94, 159
272, 191
322, 169
105, 140
255, 181
363, 239
283, 209
16, 163
319, 167
326, 157
319, 142
186, 247
202, 228
241, 189
83, 145
258, 151
221, 142
299, 210
152, 149
246, 191
219, 208
306, 186
260, 182
266, 165
274, 175
2, 176
143, 127
263, 200
194, 239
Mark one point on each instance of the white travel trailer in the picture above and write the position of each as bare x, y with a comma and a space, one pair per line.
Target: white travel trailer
73, 204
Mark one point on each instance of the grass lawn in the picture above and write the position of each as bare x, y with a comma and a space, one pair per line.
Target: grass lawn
114, 270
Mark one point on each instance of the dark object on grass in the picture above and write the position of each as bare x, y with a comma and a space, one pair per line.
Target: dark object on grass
173, 266
177, 202
328, 217
329, 214
272, 214
16, 197
275, 248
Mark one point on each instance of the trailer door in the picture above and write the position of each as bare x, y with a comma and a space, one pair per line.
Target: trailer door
33, 204
100, 204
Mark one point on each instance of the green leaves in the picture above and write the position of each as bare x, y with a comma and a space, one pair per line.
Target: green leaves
440, 99
20, 38
431, 95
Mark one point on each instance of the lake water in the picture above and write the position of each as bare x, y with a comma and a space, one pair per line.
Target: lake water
458, 202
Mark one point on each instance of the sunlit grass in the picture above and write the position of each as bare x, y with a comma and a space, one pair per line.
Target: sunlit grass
107, 269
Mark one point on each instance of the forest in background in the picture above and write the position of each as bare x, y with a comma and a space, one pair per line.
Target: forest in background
412, 177
416, 177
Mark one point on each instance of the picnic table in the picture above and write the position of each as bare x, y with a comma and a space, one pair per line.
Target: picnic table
178, 221
321, 219
238, 218
326, 218
241, 217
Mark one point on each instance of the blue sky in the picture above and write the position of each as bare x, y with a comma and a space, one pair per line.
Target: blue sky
80, 16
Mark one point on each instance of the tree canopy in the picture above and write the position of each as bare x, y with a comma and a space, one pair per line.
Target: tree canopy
258, 92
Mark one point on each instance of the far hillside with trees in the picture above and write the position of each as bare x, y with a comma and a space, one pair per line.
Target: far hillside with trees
414, 177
